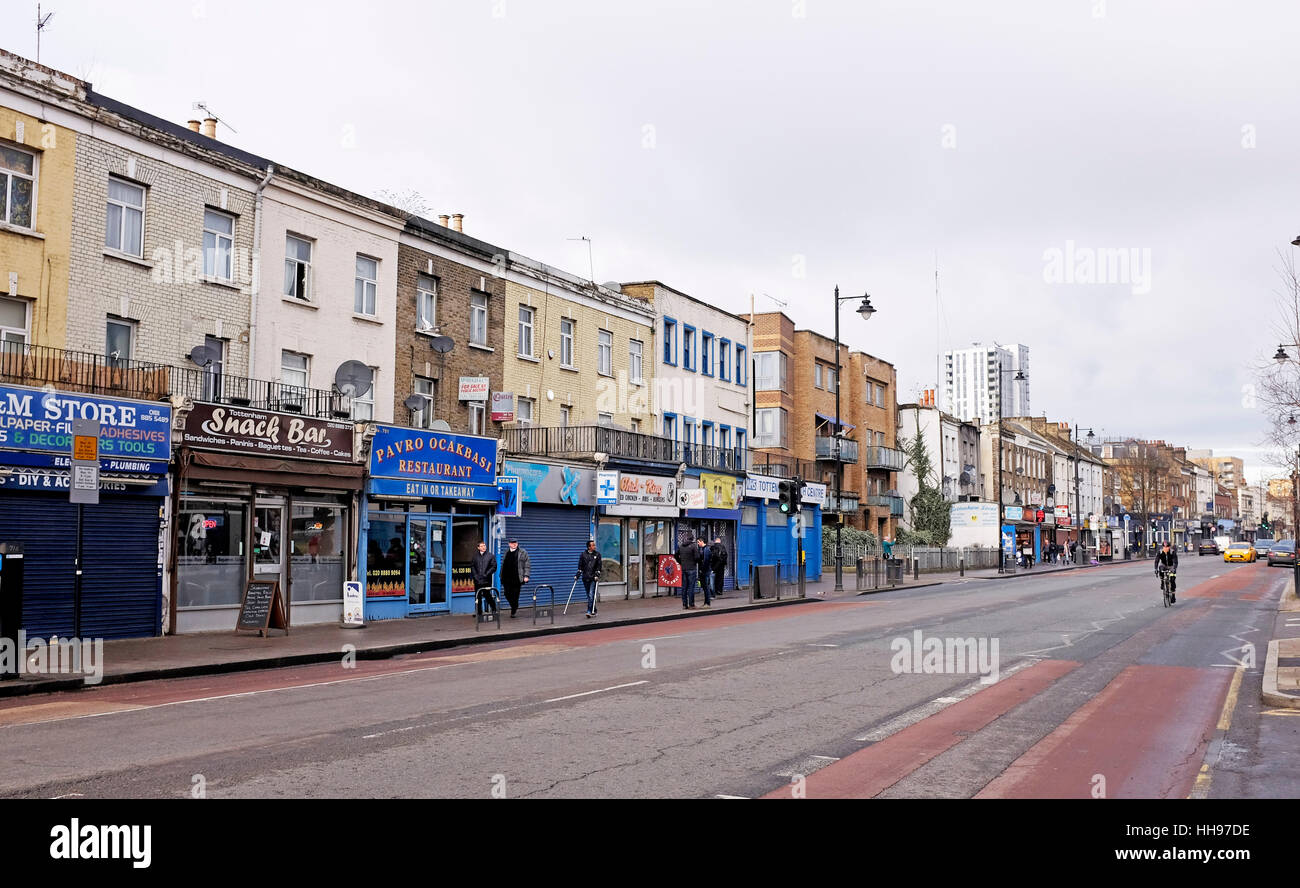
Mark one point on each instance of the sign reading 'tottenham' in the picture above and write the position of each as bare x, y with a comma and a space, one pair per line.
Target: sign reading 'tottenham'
41, 422
247, 430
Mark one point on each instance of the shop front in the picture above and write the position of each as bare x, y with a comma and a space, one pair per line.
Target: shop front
92, 570
1023, 527
719, 518
428, 503
555, 521
262, 496
766, 535
634, 532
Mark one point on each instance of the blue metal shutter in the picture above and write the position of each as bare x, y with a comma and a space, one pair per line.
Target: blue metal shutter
554, 537
47, 527
121, 585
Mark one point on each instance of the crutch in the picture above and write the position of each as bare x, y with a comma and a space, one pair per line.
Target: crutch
571, 591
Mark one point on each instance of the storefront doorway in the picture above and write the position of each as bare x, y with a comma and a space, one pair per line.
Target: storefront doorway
427, 581
268, 539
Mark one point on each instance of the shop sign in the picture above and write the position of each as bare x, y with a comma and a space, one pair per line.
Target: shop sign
1014, 513
722, 491
974, 515
41, 422
353, 604
693, 498
474, 388
417, 455
510, 506
606, 488
558, 485
264, 433
762, 487
814, 493
646, 490
1062, 514
503, 407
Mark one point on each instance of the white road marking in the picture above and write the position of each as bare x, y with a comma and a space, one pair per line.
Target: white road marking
721, 796
807, 765
810, 644
630, 684
659, 638
925, 710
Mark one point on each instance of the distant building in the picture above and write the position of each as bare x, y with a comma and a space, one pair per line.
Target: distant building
968, 379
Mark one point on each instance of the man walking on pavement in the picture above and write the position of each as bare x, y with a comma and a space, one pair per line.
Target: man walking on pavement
718, 558
706, 570
589, 570
515, 568
482, 568
688, 556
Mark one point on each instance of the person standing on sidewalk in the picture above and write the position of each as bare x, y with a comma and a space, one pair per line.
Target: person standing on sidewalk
482, 569
705, 568
718, 558
688, 556
589, 570
515, 568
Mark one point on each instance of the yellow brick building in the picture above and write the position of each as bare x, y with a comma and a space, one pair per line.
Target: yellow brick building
576, 353
37, 170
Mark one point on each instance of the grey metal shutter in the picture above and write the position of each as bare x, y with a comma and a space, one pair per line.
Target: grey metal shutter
121, 585
46, 525
554, 537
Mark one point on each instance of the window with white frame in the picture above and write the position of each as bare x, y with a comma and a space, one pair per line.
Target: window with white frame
564, 416
367, 286
297, 268
118, 339
636, 425
423, 388
363, 406
770, 369
124, 231
477, 417
293, 369
566, 342
218, 244
635, 351
526, 332
426, 304
13, 323
817, 375
605, 353
770, 427
524, 411
604, 419
17, 186
478, 318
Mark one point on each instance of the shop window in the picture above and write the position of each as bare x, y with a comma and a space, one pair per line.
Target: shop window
609, 542
465, 536
749, 515
386, 557
318, 533
211, 562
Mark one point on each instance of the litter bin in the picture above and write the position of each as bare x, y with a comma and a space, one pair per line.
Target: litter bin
11, 597
894, 570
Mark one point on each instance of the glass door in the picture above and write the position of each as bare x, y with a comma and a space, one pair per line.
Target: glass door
268, 541
426, 578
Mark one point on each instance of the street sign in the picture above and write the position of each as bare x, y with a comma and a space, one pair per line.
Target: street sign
83, 485
607, 488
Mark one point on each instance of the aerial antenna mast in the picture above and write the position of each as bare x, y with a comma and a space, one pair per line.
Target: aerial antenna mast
41, 22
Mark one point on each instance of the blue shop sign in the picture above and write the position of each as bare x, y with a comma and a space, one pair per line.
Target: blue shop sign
41, 422
438, 457
382, 487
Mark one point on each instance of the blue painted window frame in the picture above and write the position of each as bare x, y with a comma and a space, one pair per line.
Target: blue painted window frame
688, 353
670, 341
706, 359
724, 359
742, 371
724, 436
706, 433
688, 429
670, 426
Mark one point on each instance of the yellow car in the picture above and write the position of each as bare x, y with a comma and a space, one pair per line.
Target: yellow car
1239, 552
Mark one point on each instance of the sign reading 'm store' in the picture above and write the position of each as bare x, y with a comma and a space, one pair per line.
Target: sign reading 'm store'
261, 432
40, 421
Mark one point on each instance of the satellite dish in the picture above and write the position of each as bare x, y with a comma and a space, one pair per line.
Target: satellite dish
442, 344
440, 425
203, 356
415, 402
353, 379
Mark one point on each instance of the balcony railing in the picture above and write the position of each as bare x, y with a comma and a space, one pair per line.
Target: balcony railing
893, 503
847, 503
587, 440
826, 449
886, 458
96, 374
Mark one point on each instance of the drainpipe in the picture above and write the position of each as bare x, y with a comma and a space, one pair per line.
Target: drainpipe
257, 271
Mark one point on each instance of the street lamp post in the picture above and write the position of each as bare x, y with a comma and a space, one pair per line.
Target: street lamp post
866, 310
1078, 527
1020, 376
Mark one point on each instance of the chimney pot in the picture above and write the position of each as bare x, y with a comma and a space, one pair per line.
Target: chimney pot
194, 125
210, 127
457, 221
443, 220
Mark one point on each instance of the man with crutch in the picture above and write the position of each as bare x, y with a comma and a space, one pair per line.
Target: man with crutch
589, 571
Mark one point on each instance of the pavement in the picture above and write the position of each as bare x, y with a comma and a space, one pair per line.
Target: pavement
206, 653
1282, 665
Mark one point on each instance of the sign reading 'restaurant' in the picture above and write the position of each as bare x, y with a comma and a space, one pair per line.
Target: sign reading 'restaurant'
248, 430
415, 455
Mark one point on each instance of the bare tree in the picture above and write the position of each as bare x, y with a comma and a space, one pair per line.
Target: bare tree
410, 202
1141, 478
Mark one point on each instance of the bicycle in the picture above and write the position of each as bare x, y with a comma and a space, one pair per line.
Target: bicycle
1167, 586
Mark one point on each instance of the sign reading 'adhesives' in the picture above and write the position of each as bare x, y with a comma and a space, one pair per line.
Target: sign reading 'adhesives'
40, 421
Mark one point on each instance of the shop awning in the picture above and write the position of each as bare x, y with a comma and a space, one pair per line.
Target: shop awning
201, 465
833, 421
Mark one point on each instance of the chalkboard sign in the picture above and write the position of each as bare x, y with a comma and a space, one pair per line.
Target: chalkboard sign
262, 608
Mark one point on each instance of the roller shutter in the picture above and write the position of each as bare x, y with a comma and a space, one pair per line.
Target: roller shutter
47, 528
554, 537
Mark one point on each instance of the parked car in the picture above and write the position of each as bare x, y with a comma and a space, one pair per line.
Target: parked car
1262, 545
1207, 547
1239, 552
1282, 552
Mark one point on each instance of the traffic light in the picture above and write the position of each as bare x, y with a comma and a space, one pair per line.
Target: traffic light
798, 494
785, 496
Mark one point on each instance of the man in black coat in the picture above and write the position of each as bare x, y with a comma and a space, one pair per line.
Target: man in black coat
705, 568
515, 568
688, 556
589, 569
482, 569
718, 560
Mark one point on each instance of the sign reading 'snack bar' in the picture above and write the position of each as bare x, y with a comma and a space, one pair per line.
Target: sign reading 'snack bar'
247, 430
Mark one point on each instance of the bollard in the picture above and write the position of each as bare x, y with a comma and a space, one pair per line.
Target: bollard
753, 582
778, 579
916, 568
859, 577
961, 565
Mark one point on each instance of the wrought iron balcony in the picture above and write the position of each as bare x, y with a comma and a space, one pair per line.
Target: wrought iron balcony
96, 374
588, 440
848, 452
893, 503
886, 458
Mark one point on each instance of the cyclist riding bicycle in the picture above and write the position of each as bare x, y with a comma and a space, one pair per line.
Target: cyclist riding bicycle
1167, 560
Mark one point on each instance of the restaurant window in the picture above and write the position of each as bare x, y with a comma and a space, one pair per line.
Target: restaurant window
319, 532
386, 557
211, 561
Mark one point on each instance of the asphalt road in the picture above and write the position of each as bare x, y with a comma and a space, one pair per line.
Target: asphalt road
1101, 691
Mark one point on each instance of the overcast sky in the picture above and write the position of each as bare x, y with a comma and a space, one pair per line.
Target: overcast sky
781, 147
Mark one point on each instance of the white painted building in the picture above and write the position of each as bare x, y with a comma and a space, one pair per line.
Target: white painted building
954, 450
968, 380
702, 354
326, 293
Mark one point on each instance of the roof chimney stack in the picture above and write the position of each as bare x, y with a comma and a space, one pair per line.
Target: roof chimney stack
443, 220
210, 127
194, 125
457, 220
